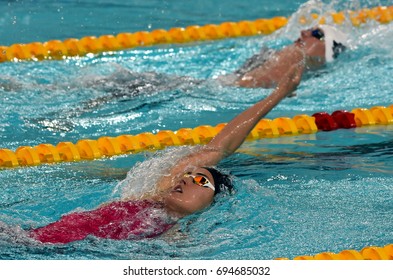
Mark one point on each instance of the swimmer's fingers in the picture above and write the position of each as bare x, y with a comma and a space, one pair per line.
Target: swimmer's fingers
291, 79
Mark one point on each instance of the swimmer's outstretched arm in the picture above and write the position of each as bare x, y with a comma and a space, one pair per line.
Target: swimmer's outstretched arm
235, 132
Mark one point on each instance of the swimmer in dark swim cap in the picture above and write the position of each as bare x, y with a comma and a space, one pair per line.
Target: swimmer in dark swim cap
193, 182
189, 186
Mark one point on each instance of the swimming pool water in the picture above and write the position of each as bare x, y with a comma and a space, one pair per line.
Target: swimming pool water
295, 195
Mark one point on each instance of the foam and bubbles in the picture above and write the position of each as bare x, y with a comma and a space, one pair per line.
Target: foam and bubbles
143, 177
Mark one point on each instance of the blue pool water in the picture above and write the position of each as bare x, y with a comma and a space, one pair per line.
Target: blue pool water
295, 195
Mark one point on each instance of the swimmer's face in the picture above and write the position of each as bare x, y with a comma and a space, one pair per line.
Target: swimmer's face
312, 42
187, 197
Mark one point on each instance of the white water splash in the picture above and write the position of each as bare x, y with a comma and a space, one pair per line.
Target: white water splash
142, 179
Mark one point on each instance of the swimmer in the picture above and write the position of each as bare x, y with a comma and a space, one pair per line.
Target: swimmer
315, 47
189, 186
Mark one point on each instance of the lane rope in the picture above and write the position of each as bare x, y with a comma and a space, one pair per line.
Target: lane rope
72, 47
367, 253
107, 146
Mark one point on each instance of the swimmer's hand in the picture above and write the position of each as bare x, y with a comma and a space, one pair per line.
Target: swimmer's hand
291, 80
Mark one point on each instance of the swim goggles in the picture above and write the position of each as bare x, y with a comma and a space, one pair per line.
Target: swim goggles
201, 181
318, 34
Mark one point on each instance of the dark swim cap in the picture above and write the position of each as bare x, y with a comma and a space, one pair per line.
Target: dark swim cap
222, 182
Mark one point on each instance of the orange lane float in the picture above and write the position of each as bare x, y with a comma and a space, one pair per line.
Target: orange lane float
56, 49
105, 146
367, 253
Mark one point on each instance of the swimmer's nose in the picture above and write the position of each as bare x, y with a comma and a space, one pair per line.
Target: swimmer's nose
182, 182
187, 180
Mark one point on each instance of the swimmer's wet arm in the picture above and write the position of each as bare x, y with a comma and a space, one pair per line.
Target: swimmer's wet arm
236, 131
255, 78
265, 76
